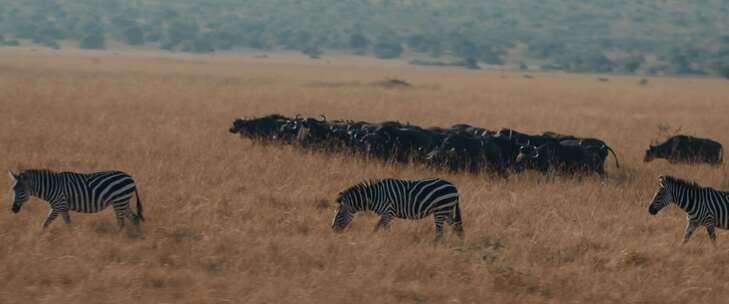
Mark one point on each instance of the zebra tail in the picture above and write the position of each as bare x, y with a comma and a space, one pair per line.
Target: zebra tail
139, 205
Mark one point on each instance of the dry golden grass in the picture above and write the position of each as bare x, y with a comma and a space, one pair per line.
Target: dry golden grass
232, 221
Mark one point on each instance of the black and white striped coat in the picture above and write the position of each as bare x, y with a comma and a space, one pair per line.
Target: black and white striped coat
87, 193
405, 199
705, 206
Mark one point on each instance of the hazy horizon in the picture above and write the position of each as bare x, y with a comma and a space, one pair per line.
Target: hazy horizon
647, 37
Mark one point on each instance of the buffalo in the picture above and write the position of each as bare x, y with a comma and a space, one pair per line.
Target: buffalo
686, 149
462, 152
401, 143
596, 151
314, 132
510, 141
571, 156
263, 128
562, 158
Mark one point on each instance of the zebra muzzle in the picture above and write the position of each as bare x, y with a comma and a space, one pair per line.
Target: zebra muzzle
652, 211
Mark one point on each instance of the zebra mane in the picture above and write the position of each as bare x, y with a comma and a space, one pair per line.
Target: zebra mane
36, 171
359, 186
681, 182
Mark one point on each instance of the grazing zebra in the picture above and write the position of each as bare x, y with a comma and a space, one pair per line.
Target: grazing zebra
87, 193
705, 206
403, 199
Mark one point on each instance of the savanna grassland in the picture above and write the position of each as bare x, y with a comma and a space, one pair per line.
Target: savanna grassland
231, 221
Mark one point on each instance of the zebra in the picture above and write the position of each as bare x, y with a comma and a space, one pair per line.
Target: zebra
87, 193
408, 199
704, 205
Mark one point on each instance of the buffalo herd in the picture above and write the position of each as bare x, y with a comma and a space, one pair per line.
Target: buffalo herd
460, 148
464, 148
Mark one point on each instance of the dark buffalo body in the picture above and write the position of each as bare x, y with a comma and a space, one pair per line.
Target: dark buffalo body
566, 154
462, 151
687, 149
315, 132
560, 157
264, 128
460, 148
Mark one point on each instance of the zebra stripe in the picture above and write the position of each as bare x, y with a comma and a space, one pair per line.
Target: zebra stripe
705, 206
86, 193
405, 199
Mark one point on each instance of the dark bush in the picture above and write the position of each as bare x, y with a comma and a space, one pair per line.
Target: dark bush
134, 35
471, 63
93, 41
387, 49
11, 42
358, 42
724, 70
632, 63
199, 45
313, 52
585, 62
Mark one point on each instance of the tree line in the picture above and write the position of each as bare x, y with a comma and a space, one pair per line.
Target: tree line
604, 36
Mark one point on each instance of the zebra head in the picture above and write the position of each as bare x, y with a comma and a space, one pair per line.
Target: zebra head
20, 191
344, 212
662, 198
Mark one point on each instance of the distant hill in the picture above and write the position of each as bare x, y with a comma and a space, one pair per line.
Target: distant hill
606, 36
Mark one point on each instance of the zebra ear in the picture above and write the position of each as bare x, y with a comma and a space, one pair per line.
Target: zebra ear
13, 175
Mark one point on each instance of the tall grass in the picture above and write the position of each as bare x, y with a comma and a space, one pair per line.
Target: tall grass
229, 220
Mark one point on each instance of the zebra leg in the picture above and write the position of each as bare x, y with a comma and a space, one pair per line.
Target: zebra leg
133, 217
384, 222
454, 220
66, 218
121, 209
712, 234
457, 222
51, 216
690, 228
120, 215
439, 219
120, 221
458, 228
